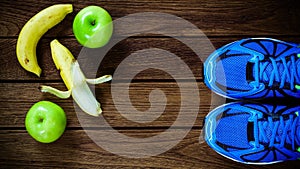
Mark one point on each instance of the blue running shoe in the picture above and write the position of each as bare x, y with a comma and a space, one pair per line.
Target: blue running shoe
254, 68
254, 133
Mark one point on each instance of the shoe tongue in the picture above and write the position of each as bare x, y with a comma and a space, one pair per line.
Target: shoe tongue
268, 71
269, 68
268, 131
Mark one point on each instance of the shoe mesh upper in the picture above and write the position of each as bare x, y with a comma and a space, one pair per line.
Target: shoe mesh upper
256, 133
231, 71
232, 131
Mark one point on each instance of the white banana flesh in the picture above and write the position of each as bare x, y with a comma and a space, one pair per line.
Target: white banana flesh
33, 30
75, 80
82, 94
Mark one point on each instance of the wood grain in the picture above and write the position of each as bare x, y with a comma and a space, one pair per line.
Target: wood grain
222, 21
79, 151
11, 70
17, 98
214, 18
109, 63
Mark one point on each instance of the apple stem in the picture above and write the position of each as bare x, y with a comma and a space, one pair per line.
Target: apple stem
41, 120
93, 22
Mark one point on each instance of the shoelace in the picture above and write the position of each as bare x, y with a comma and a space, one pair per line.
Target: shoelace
289, 73
298, 86
283, 131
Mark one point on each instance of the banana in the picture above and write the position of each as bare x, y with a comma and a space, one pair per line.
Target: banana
33, 30
74, 80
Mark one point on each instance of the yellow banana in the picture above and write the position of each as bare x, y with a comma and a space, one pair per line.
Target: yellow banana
75, 80
33, 30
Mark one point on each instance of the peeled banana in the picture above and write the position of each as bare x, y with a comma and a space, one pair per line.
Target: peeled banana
33, 30
74, 79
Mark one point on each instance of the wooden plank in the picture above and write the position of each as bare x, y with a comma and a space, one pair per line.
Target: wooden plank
109, 63
223, 21
17, 98
18, 149
10, 69
214, 18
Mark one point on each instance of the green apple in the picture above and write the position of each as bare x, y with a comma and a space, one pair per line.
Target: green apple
93, 27
45, 121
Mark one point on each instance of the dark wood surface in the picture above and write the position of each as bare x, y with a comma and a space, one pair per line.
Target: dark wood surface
222, 21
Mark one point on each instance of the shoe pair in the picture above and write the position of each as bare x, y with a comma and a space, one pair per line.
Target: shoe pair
255, 133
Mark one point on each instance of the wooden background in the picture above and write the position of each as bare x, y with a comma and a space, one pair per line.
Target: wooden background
222, 21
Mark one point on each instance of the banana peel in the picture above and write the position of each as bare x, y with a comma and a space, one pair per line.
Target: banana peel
74, 80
